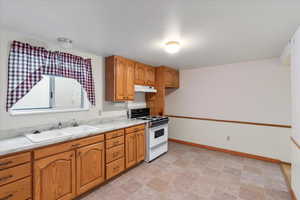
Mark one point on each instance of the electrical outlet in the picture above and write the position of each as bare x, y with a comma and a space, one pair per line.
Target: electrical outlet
228, 138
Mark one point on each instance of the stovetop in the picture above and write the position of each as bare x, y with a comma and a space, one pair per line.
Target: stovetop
152, 118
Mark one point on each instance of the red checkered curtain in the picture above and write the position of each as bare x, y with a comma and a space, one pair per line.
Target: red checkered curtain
27, 65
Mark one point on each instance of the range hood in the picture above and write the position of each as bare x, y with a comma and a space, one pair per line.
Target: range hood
142, 88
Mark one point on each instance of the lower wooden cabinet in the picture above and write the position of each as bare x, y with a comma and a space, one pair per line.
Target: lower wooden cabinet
130, 148
114, 168
90, 167
134, 147
140, 146
67, 170
19, 190
54, 177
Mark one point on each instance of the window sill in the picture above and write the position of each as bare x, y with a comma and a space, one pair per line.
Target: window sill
36, 112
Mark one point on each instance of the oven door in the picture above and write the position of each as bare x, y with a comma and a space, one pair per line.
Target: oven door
158, 135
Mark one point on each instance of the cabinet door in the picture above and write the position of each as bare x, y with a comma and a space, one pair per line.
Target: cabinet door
90, 167
130, 149
54, 177
130, 80
150, 76
140, 72
140, 144
120, 79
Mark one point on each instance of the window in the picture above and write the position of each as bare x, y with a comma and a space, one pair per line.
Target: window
53, 93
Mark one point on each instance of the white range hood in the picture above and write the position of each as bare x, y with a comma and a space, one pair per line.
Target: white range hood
142, 88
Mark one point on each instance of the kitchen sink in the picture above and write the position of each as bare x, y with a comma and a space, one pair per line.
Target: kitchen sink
43, 136
83, 129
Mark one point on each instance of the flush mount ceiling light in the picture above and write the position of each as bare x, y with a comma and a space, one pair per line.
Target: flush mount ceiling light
65, 42
172, 47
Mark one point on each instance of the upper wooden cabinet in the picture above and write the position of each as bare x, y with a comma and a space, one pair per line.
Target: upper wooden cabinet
119, 76
150, 75
171, 77
140, 73
144, 74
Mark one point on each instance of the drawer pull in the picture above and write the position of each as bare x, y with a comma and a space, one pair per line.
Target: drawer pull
6, 163
7, 197
115, 154
6, 177
75, 145
116, 168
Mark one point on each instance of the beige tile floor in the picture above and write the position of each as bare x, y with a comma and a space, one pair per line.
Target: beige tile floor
191, 173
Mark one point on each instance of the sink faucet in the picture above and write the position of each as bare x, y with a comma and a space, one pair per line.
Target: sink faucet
59, 125
74, 123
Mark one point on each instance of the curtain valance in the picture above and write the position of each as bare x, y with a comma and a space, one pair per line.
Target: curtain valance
27, 64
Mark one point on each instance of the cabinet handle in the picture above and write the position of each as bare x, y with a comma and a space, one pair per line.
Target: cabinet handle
75, 145
5, 163
115, 168
7, 197
6, 177
115, 154
116, 143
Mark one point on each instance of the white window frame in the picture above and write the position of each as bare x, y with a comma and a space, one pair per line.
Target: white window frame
85, 106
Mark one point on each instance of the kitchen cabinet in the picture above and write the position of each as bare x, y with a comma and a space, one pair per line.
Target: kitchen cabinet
134, 145
66, 170
140, 146
90, 164
54, 177
150, 76
115, 150
130, 142
171, 77
144, 74
140, 74
119, 76
16, 176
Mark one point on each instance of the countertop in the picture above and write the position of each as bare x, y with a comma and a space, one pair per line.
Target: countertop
21, 143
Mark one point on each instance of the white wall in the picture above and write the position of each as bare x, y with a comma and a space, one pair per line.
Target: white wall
295, 71
256, 91
8, 121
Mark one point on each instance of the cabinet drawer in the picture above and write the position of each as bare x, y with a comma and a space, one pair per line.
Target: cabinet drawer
16, 191
67, 146
15, 173
135, 128
114, 153
114, 142
14, 160
114, 168
89, 140
114, 134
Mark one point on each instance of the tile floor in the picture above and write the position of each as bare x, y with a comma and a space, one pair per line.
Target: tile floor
191, 173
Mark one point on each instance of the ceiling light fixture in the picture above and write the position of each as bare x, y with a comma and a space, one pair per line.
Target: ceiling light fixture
65, 42
172, 47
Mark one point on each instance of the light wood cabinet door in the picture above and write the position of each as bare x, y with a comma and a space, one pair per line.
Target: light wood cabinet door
90, 164
150, 76
129, 81
140, 146
121, 71
140, 73
130, 149
54, 177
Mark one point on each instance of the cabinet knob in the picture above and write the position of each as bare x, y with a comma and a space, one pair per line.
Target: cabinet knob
7, 197
5, 163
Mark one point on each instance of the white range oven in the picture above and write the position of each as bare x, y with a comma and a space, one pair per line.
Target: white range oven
156, 132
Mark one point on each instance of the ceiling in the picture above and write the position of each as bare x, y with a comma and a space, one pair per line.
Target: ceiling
211, 32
